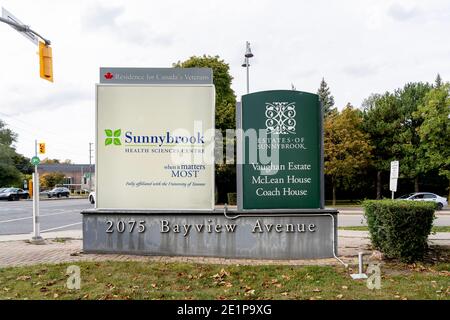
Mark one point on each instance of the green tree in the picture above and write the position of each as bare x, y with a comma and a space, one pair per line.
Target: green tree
412, 158
225, 113
50, 161
347, 148
326, 98
55, 161
51, 179
23, 164
434, 131
382, 123
225, 96
438, 81
9, 174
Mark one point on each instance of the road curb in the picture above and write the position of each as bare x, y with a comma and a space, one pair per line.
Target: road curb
69, 234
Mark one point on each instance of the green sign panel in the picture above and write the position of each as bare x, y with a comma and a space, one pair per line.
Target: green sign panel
281, 163
35, 160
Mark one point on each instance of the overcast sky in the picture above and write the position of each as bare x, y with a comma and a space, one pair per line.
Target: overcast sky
359, 47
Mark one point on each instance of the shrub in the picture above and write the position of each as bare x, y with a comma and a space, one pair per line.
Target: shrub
400, 229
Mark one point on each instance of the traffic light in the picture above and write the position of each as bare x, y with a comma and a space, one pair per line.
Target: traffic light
41, 148
45, 61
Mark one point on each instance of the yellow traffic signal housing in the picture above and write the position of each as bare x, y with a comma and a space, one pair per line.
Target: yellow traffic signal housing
41, 148
45, 61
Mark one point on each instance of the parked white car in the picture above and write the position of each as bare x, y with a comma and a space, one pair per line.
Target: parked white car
426, 196
91, 197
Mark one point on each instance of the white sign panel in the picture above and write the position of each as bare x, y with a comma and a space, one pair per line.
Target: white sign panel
155, 147
394, 169
29, 35
393, 184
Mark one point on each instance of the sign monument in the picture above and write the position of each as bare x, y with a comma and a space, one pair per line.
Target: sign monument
155, 171
283, 167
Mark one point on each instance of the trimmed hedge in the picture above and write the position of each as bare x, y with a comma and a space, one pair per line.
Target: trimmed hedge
399, 228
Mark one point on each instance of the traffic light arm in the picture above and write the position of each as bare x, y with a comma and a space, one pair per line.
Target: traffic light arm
24, 28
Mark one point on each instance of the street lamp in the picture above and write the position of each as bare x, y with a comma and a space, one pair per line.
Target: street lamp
246, 64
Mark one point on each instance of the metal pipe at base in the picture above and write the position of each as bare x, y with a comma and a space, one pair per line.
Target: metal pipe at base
360, 274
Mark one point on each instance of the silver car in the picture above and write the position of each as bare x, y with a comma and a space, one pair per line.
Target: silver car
426, 196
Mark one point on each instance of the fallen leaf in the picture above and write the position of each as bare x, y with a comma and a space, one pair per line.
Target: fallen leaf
55, 295
344, 287
340, 296
23, 278
250, 292
317, 290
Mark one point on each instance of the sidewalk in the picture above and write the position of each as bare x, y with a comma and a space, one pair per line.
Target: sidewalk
66, 246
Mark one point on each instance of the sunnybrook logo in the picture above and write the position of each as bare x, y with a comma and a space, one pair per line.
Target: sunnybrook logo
113, 137
280, 117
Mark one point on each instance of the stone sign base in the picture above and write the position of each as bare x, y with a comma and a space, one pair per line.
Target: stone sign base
256, 234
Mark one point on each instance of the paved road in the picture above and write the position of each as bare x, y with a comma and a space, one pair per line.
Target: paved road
354, 217
56, 215
64, 214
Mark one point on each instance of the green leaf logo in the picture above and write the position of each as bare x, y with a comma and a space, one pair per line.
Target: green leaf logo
113, 137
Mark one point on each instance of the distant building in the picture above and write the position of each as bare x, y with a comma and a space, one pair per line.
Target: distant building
77, 176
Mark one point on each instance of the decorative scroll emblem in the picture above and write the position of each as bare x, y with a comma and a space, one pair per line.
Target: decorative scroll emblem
280, 117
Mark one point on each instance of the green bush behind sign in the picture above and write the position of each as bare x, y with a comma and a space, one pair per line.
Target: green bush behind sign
400, 229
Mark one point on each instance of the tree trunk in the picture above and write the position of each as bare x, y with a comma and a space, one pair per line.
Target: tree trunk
416, 184
378, 185
334, 193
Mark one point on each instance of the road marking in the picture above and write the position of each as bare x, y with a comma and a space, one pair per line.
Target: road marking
44, 215
62, 227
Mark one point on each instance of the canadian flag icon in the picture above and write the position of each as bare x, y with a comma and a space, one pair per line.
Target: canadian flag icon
109, 75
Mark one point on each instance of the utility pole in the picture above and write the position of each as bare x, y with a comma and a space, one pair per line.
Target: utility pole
45, 51
90, 166
36, 239
24, 28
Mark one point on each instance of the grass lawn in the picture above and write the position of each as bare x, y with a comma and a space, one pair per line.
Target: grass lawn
152, 280
365, 228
